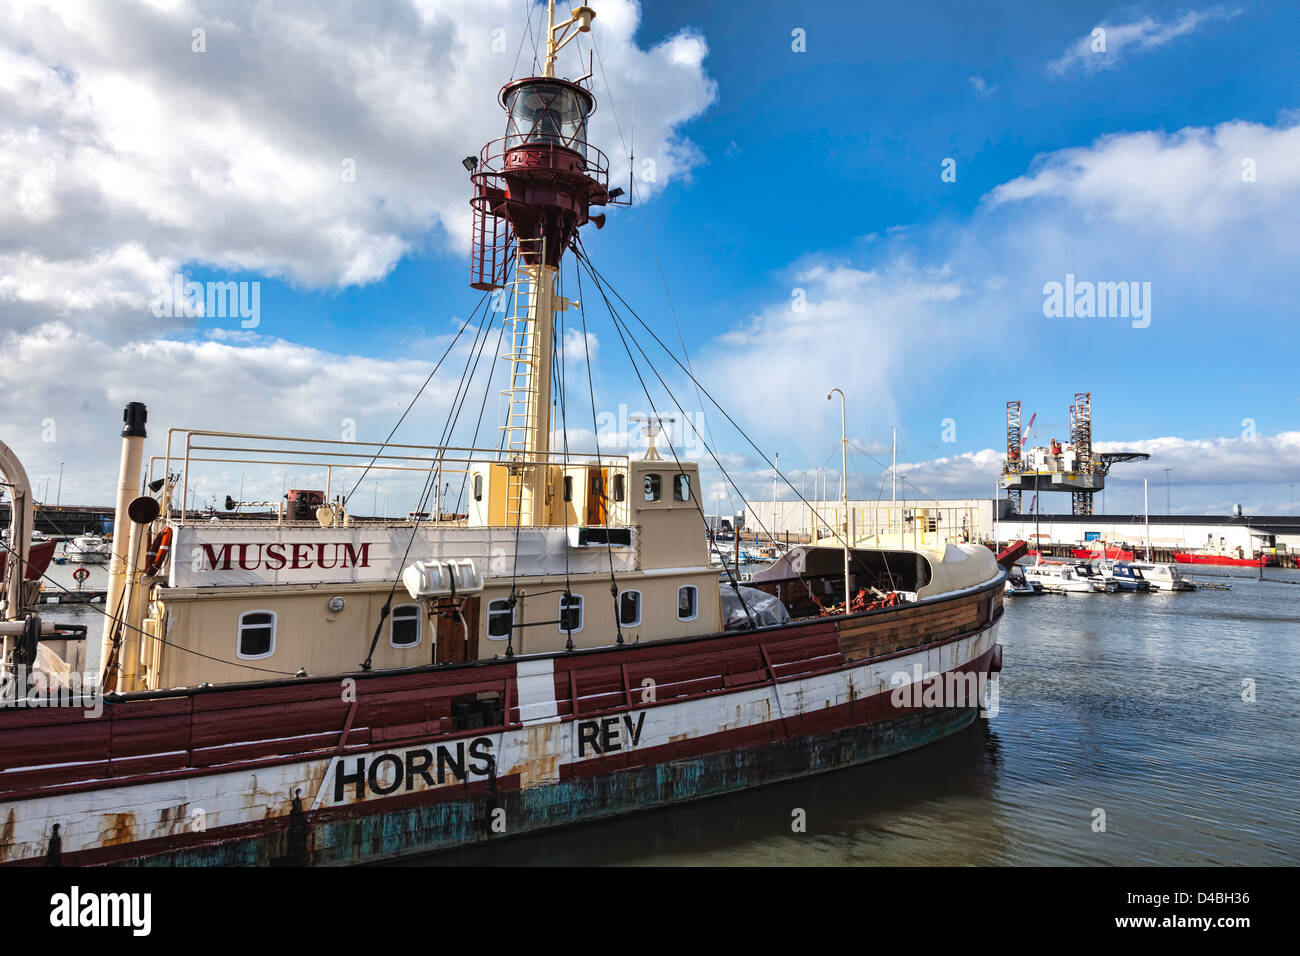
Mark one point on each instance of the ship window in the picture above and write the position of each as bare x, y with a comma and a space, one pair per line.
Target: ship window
568, 487
404, 626
500, 619
629, 608
652, 487
687, 600
256, 634
478, 487
682, 488
619, 491
570, 614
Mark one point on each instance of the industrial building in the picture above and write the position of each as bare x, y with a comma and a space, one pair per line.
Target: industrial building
977, 519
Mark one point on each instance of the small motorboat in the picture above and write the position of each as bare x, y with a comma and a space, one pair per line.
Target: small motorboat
1100, 581
1063, 579
1018, 585
1161, 576
1122, 574
87, 549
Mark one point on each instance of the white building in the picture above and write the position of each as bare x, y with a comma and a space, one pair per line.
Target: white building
960, 518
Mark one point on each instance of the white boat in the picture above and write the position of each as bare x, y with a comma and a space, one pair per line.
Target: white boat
87, 549
1099, 580
1123, 574
1163, 577
1018, 585
1062, 579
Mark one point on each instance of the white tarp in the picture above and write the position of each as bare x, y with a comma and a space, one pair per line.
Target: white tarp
249, 553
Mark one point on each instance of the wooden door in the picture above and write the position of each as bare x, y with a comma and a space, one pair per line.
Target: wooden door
596, 479
457, 643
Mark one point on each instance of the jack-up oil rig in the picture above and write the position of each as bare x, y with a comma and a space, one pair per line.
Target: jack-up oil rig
1073, 467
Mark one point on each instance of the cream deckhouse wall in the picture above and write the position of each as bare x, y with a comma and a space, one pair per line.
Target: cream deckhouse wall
673, 553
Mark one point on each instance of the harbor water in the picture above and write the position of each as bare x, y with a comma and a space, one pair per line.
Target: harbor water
1129, 704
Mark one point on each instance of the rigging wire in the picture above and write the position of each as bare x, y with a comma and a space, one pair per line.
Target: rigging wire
735, 584
453, 413
595, 433
654, 249
411, 405
603, 283
161, 640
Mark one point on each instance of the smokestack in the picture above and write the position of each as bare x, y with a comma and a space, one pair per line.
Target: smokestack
134, 417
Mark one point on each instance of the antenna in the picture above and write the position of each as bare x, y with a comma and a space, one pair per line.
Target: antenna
652, 424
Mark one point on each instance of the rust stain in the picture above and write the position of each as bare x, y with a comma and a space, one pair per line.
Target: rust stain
116, 829
7, 835
171, 820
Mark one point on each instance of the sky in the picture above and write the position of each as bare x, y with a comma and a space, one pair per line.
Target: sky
870, 197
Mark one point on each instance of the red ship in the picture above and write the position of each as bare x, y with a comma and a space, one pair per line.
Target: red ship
1237, 559
1110, 552
550, 645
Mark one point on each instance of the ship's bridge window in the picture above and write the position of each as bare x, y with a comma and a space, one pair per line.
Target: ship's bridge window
404, 626
653, 487
620, 492
570, 614
256, 634
500, 619
478, 487
682, 488
629, 608
687, 603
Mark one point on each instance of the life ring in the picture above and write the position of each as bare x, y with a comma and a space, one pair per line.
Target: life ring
158, 551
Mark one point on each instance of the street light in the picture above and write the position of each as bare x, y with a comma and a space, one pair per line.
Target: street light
844, 448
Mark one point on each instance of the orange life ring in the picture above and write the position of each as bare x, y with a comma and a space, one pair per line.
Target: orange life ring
158, 551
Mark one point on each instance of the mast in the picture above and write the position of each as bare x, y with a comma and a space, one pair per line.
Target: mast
844, 470
534, 188
893, 468
1146, 508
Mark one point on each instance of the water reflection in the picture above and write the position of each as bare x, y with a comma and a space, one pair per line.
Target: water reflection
1127, 704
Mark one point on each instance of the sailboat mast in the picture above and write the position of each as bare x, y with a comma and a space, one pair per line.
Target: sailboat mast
1146, 508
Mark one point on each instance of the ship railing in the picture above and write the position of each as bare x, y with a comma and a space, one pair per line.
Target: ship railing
336, 458
594, 165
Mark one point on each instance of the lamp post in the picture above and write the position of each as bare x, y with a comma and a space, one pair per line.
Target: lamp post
844, 448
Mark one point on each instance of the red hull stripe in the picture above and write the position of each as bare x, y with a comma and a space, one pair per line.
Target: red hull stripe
150, 742
876, 708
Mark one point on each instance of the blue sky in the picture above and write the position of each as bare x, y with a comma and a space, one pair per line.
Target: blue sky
820, 170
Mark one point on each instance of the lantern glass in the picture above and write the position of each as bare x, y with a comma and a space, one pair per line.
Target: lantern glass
546, 114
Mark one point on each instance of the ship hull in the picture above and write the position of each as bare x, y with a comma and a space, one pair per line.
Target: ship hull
1111, 553
585, 738
1184, 557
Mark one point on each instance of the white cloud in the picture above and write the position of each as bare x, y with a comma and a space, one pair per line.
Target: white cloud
127, 154
60, 376
1172, 209
1116, 41
1195, 179
982, 88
